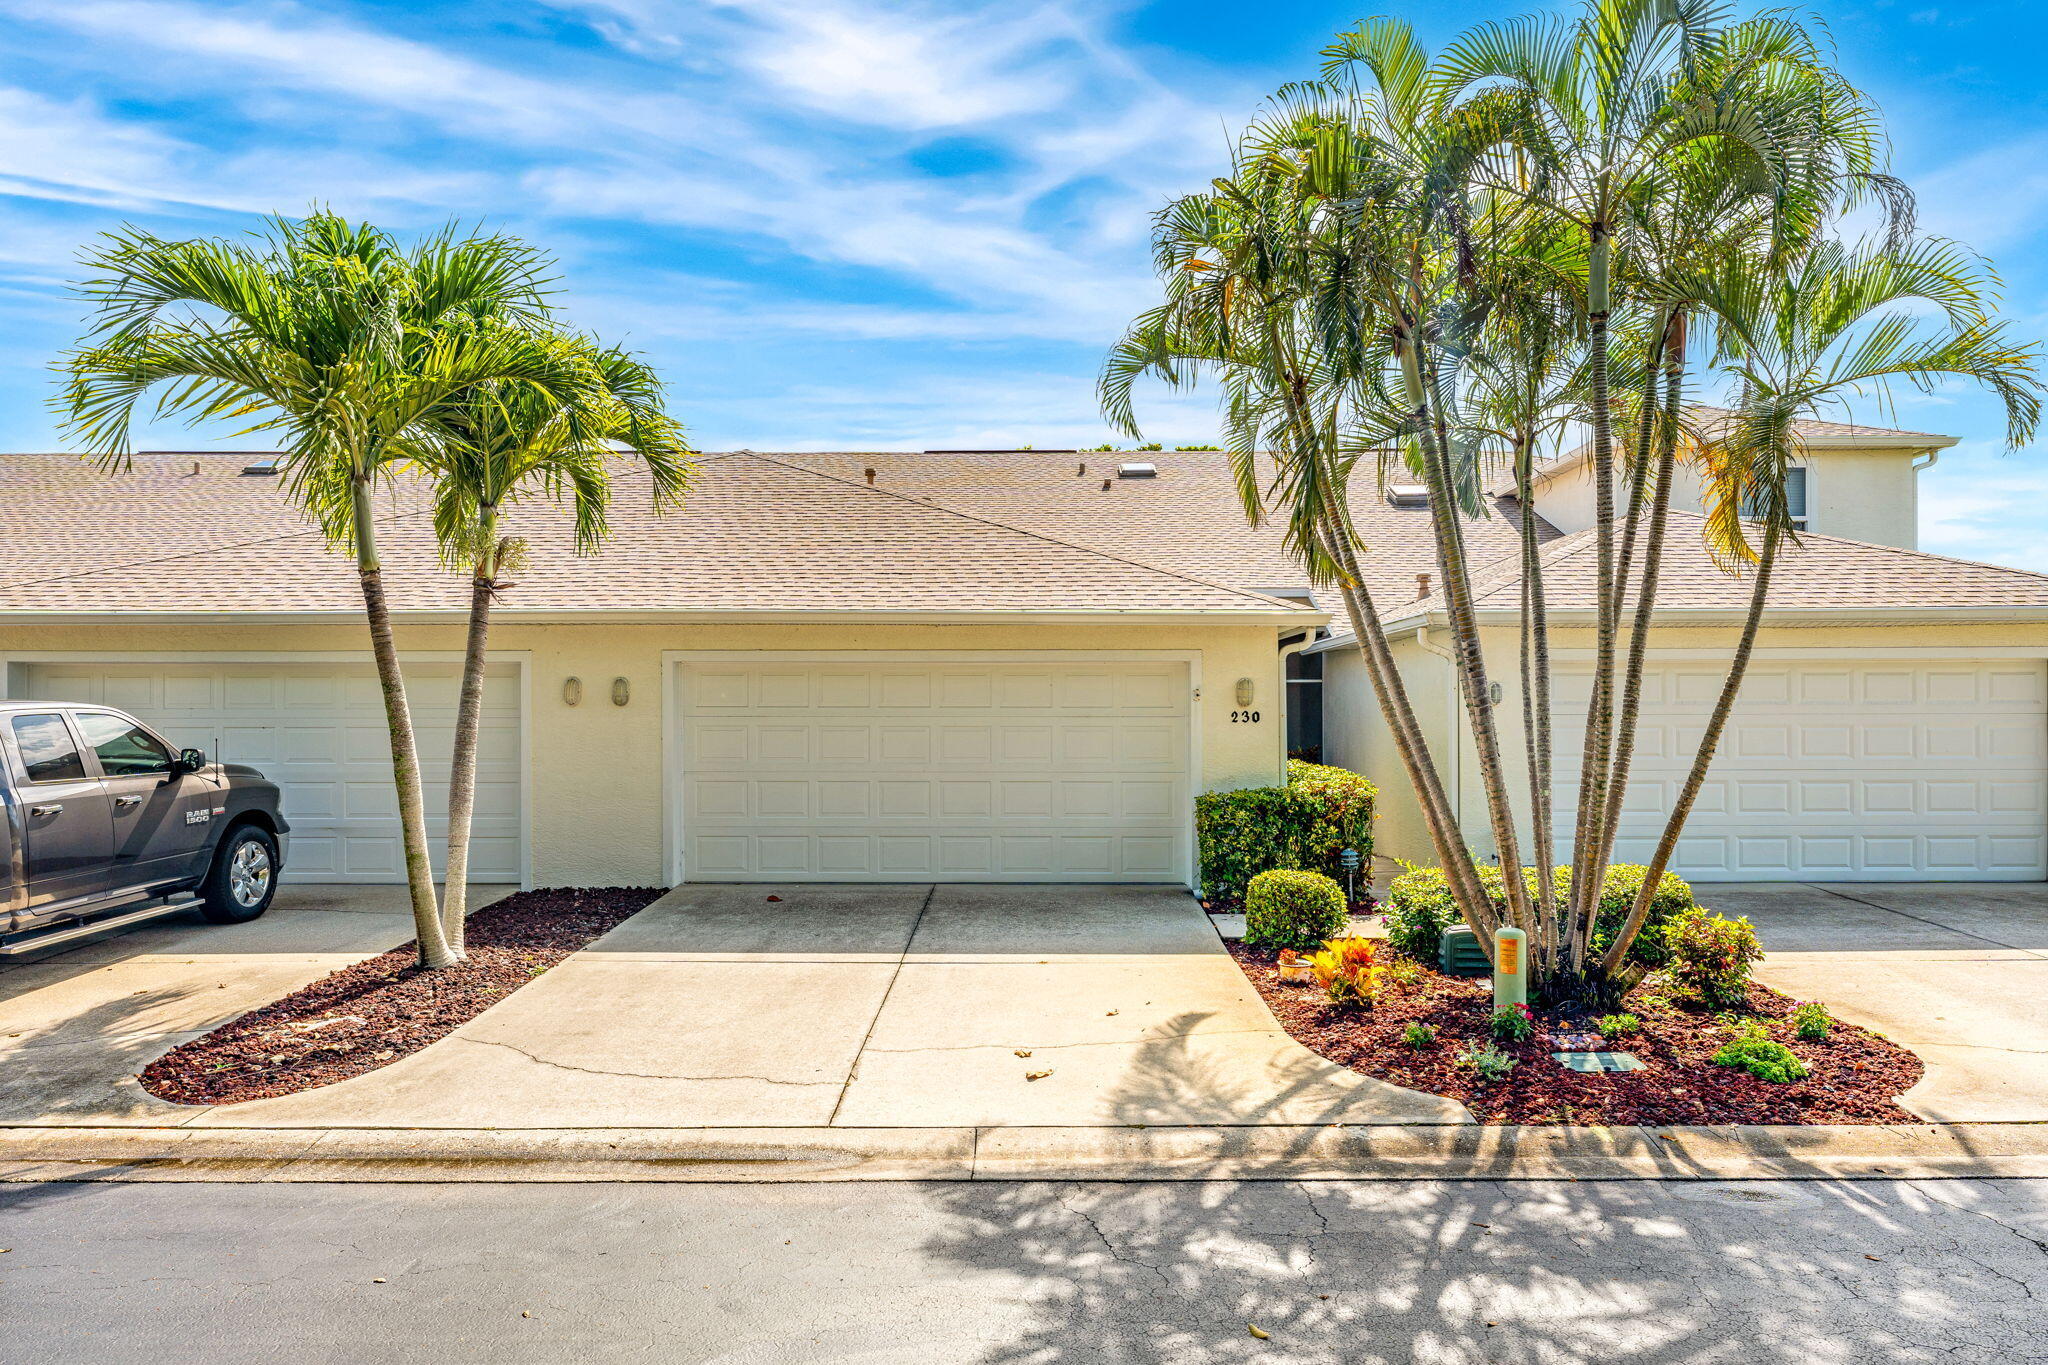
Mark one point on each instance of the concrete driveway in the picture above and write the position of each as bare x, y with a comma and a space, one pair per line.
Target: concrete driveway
1956, 971
75, 1026
855, 1006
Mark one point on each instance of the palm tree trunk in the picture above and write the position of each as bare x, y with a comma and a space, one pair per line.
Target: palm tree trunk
1646, 598
1439, 816
468, 721
1470, 658
405, 758
1409, 742
1586, 874
1536, 707
1696, 776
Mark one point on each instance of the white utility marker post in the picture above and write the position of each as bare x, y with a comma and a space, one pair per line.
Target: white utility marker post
1510, 969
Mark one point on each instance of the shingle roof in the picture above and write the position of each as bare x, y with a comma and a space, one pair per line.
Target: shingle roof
1187, 518
755, 535
1819, 574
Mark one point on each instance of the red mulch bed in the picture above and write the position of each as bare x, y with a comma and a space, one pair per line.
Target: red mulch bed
369, 1015
1855, 1076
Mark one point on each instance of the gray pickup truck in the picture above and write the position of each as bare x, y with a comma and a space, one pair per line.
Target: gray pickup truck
108, 825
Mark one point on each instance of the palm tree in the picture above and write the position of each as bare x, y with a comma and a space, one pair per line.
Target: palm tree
1258, 292
1607, 106
1802, 341
328, 333
1450, 259
495, 444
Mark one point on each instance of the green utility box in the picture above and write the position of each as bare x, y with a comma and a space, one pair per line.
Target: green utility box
1458, 953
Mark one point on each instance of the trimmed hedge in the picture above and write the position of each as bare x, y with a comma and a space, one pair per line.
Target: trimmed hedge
1286, 909
1304, 826
1419, 908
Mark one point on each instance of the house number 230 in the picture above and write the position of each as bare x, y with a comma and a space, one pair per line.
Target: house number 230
1244, 718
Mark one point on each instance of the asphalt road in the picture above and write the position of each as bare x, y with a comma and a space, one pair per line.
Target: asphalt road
905, 1274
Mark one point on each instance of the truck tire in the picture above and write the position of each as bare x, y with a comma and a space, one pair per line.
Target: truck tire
243, 878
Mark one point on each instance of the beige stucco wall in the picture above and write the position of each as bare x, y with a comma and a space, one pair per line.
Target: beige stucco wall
596, 790
1870, 495
1352, 712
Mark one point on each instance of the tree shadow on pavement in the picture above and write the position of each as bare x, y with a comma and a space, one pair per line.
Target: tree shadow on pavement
1361, 1272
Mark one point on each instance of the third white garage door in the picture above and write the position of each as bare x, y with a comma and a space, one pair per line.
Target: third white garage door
944, 770
1838, 770
318, 731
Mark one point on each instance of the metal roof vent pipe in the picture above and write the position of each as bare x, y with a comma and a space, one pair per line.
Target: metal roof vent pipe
1421, 585
870, 472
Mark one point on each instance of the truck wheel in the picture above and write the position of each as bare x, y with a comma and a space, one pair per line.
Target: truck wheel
243, 879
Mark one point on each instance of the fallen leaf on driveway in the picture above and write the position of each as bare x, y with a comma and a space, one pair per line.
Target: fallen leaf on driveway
1036, 1075
1023, 1052
774, 898
1868, 1257
1253, 1327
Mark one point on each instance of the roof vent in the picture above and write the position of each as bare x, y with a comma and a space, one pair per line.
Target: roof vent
1137, 469
1407, 495
268, 464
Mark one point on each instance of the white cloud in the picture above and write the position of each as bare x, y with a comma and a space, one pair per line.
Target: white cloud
1989, 199
1979, 505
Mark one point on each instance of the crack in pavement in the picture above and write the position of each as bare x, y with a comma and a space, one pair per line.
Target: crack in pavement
1111, 1247
1107, 1042
635, 1075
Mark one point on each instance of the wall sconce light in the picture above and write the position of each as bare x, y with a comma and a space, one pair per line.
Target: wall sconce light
1244, 691
622, 692
572, 692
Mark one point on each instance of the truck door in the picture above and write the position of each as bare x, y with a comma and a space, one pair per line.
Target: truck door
67, 818
160, 821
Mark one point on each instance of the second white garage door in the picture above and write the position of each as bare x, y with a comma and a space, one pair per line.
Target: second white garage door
1844, 770
318, 731
915, 769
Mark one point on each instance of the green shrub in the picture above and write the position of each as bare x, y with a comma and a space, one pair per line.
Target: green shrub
1419, 907
1510, 1023
1811, 1021
1618, 1025
1710, 957
1761, 1057
1418, 1035
1303, 826
1294, 910
1489, 1061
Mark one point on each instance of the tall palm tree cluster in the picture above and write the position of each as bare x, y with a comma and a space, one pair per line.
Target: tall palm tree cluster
371, 362
1448, 265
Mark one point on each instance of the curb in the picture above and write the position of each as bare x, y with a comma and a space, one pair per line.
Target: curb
764, 1155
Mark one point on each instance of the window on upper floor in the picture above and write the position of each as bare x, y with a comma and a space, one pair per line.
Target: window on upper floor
1795, 497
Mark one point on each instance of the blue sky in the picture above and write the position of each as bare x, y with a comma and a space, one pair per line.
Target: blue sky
842, 223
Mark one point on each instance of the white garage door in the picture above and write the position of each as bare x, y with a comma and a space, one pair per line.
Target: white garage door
318, 731
1845, 771
950, 771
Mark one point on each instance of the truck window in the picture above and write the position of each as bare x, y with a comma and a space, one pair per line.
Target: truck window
125, 750
47, 752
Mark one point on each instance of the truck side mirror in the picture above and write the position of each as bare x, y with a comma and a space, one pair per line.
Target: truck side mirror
189, 761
